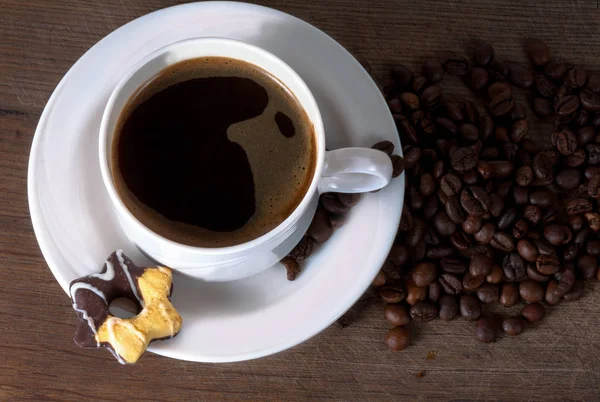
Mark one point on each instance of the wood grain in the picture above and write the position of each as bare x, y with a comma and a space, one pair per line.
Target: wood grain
41, 39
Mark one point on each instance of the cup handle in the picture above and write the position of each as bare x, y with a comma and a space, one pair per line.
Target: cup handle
355, 170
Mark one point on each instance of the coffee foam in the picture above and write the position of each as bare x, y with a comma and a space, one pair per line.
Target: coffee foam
282, 167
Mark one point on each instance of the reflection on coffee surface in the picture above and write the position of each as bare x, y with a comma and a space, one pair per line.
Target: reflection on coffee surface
213, 152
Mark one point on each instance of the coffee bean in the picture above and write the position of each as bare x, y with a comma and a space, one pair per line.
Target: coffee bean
509, 295
416, 198
585, 135
419, 85
418, 253
480, 265
402, 77
524, 176
471, 283
448, 307
533, 273
542, 166
453, 265
507, 218
587, 266
531, 291
543, 198
450, 184
577, 158
518, 113
576, 78
593, 220
593, 248
471, 112
593, 152
503, 242
434, 291
532, 213
501, 104
396, 314
539, 54
460, 241
479, 78
558, 234
454, 210
392, 294
427, 186
470, 177
470, 307
398, 254
486, 128
485, 329
438, 170
415, 233
553, 295
497, 88
568, 179
520, 128
591, 171
469, 131
566, 279
472, 224
431, 96
303, 249
566, 106
542, 107
576, 222
423, 311
566, 142
384, 146
415, 294
547, 264
320, 229
424, 273
578, 206
582, 117
498, 70
545, 87
577, 292
410, 100
486, 233
412, 155
513, 266
379, 280
520, 76
513, 326
484, 54
488, 293
443, 224
454, 111
332, 204
570, 252
497, 205
463, 159
398, 338
395, 105
456, 65
555, 70
433, 70
406, 130
520, 229
527, 250
475, 200
451, 284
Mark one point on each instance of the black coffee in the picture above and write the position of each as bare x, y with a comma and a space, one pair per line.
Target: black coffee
213, 152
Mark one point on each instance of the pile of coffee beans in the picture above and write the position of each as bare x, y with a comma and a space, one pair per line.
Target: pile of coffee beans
488, 216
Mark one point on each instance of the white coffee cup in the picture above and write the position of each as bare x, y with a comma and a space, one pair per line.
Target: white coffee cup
347, 170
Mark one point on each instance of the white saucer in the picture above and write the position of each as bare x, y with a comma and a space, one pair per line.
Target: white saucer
77, 229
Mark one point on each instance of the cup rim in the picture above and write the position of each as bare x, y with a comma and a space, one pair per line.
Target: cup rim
316, 120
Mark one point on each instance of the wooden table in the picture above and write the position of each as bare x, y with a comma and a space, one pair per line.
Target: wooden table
41, 39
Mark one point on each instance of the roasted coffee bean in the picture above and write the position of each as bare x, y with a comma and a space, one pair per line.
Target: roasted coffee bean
576, 222
507, 218
557, 234
555, 70
501, 104
534, 274
532, 213
480, 249
484, 54
470, 307
486, 127
543, 246
520, 76
485, 329
488, 293
513, 266
593, 187
418, 253
395, 105
547, 264
379, 280
524, 176
578, 206
576, 293
503, 242
433, 70
392, 294
431, 96
419, 85
513, 326
479, 78
518, 113
384, 146
460, 241
406, 130
577, 158
415, 233
566, 106
542, 197
396, 314
593, 248
472, 224
433, 292
520, 195
587, 266
486, 233
593, 153
443, 224
527, 250
303, 249
475, 200
545, 87
332, 204
590, 100
542, 166
509, 295
412, 155
427, 185
501, 134
349, 199
337, 221
570, 252
456, 65
497, 205
470, 177
496, 276
593, 220
542, 107
593, 83
431, 237
454, 210
391, 270
463, 159
451, 184
471, 283
501, 169
398, 254
415, 294
416, 198
520, 229
451, 284
566, 142
431, 207
553, 295
568, 179
471, 112
454, 111
480, 265
531, 291
453, 265
397, 165
438, 170
576, 78
566, 279
510, 150
398, 338
448, 307
585, 135
498, 70
423, 311
539, 54
320, 229
469, 131
591, 171
582, 117
402, 77
424, 273
582, 237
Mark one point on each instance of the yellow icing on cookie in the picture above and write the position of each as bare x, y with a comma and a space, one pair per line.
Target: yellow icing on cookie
129, 337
